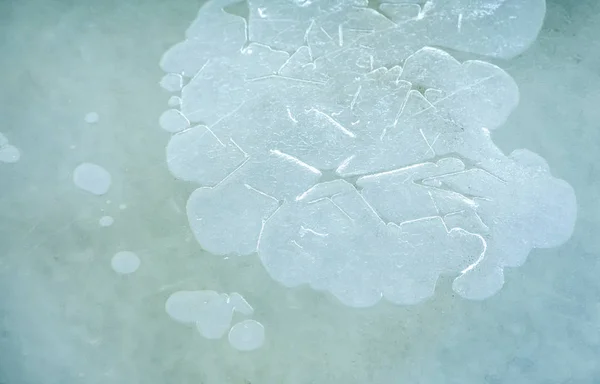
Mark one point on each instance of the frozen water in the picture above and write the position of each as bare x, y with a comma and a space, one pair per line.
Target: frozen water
174, 102
212, 312
240, 304
106, 221
92, 118
247, 335
8, 153
125, 262
173, 121
92, 178
172, 82
355, 158
68, 317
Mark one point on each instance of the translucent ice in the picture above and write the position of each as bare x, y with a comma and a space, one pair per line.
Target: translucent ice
173, 121
106, 221
92, 118
92, 178
210, 311
354, 157
125, 262
171, 82
8, 153
247, 335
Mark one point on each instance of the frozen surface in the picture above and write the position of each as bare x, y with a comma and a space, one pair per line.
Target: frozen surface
212, 313
402, 131
8, 153
67, 317
125, 262
92, 117
106, 221
173, 121
92, 178
247, 335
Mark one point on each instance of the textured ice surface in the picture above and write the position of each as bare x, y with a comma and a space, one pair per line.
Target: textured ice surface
125, 262
354, 157
247, 335
210, 311
8, 153
92, 178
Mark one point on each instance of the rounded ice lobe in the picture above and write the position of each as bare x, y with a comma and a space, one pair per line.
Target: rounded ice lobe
172, 82
92, 178
174, 102
9, 154
125, 262
173, 121
247, 335
210, 311
354, 157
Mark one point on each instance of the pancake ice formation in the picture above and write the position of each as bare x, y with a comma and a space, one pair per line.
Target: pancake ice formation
340, 142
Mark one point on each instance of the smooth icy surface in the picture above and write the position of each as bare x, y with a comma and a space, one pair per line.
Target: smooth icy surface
174, 102
125, 262
210, 311
240, 304
355, 158
247, 335
92, 178
92, 117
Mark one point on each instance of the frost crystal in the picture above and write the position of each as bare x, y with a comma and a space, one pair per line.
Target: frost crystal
330, 138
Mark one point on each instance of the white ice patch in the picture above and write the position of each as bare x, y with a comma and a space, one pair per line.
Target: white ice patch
8, 153
240, 304
92, 118
174, 102
247, 335
173, 121
210, 311
125, 262
172, 82
350, 173
106, 221
92, 178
